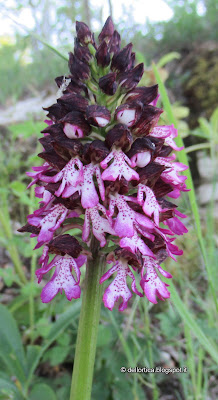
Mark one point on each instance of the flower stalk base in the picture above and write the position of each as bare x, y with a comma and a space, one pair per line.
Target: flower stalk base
88, 329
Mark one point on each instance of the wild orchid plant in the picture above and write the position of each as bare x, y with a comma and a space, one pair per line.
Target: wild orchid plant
107, 172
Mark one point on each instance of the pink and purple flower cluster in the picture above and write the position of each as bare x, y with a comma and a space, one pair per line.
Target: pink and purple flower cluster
107, 172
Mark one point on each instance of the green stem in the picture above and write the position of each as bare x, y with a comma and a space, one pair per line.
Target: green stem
150, 351
88, 328
196, 147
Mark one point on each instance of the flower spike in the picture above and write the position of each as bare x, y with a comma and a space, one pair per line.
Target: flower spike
108, 175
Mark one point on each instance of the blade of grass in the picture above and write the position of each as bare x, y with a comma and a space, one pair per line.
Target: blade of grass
182, 156
189, 320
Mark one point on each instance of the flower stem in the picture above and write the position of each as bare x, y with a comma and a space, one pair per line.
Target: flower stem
88, 328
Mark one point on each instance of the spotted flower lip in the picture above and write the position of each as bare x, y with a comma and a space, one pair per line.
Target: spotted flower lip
118, 288
62, 279
151, 284
108, 172
119, 167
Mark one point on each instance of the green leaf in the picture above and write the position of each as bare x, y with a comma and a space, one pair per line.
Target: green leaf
167, 58
56, 329
105, 335
32, 355
43, 392
57, 354
11, 348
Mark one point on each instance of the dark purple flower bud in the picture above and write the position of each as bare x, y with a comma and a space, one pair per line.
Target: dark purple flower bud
135, 260
82, 53
144, 94
108, 83
128, 113
107, 30
56, 112
147, 120
161, 188
131, 61
102, 55
29, 228
119, 136
95, 151
73, 146
65, 244
73, 102
78, 69
75, 126
84, 34
98, 115
59, 140
141, 152
119, 186
121, 60
150, 173
53, 158
114, 44
59, 80
130, 79
164, 151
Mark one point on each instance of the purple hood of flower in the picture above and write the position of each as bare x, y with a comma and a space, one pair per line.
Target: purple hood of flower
107, 172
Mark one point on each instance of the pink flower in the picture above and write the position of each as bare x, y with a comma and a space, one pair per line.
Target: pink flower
49, 223
100, 225
71, 175
150, 206
118, 288
62, 279
126, 219
151, 284
118, 168
135, 243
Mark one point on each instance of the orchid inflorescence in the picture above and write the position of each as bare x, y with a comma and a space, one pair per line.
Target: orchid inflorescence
107, 170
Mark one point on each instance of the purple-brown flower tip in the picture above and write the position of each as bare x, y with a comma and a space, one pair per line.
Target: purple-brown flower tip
79, 69
98, 115
107, 30
114, 44
84, 34
102, 55
129, 113
95, 152
119, 136
129, 80
108, 83
144, 94
82, 53
148, 119
121, 60
65, 244
75, 126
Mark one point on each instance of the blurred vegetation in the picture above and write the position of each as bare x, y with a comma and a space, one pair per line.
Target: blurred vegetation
38, 340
